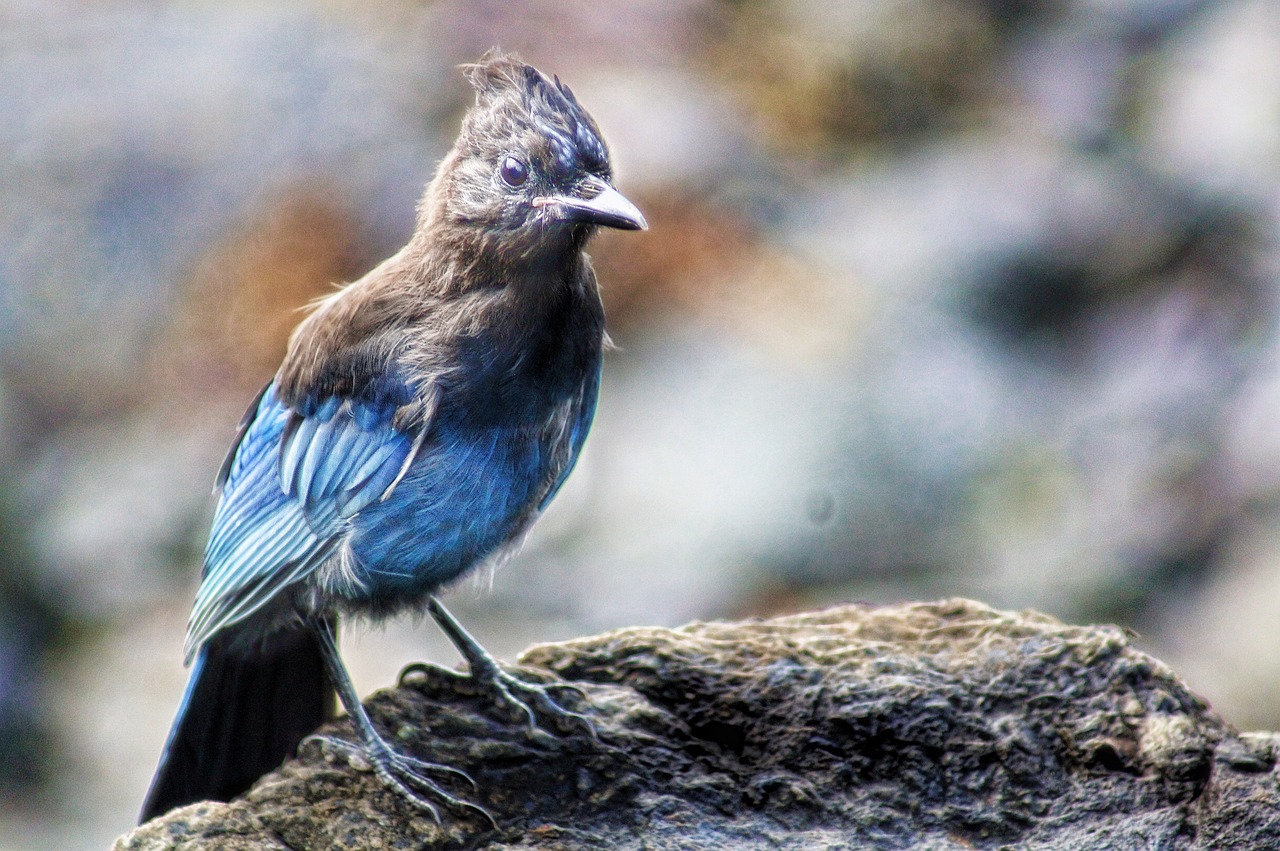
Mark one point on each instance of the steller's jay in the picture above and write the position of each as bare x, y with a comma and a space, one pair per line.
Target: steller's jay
422, 419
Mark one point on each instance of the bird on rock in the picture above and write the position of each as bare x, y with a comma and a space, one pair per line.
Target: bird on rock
423, 418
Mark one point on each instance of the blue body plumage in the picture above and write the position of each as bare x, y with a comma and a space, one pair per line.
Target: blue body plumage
423, 418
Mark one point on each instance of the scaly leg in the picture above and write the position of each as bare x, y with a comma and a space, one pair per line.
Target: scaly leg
405, 774
533, 699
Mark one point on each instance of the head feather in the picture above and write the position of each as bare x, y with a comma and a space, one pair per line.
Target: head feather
513, 98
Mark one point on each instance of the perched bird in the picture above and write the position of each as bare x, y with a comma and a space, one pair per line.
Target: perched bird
422, 419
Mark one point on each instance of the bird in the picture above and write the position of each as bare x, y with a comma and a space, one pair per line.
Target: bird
422, 419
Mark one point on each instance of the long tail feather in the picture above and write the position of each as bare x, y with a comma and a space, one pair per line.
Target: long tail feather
247, 706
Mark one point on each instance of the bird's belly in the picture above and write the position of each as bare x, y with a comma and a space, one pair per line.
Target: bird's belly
460, 503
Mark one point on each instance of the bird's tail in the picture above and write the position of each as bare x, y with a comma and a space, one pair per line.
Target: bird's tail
247, 706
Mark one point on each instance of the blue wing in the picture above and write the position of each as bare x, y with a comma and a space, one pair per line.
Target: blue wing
291, 481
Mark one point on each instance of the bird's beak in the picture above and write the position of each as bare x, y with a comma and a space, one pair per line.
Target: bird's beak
607, 207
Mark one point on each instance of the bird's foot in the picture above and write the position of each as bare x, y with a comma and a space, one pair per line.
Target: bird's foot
531, 701
407, 775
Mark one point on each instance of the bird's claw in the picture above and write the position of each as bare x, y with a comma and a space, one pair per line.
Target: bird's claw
429, 675
407, 776
532, 700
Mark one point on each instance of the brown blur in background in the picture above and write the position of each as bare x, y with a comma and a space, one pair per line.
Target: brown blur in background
941, 297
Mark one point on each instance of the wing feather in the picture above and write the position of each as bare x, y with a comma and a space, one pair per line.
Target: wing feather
376, 459
291, 483
293, 451
346, 450
241, 428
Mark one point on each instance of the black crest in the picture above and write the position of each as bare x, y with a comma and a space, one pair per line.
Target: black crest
513, 95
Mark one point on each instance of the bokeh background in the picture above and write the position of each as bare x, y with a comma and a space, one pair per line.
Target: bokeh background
941, 297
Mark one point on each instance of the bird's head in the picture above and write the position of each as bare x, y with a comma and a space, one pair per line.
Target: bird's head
529, 164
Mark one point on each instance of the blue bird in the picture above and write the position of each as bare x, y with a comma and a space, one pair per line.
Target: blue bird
422, 419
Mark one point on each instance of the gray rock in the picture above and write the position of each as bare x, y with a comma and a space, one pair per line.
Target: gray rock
922, 725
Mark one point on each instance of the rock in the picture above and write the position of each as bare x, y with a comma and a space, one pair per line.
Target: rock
924, 725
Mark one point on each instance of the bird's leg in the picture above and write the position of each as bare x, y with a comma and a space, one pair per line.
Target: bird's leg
506, 689
404, 773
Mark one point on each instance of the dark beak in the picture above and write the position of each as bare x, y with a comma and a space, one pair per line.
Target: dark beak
607, 207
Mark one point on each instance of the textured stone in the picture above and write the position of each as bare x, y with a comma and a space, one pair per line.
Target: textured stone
925, 725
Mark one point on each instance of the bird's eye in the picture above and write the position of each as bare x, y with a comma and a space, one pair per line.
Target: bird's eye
514, 172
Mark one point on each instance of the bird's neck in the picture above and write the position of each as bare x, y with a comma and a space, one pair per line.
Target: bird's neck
454, 260
424, 294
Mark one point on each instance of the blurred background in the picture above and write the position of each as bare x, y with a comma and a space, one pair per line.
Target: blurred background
941, 297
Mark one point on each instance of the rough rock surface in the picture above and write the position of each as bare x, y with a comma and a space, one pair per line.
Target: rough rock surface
943, 725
